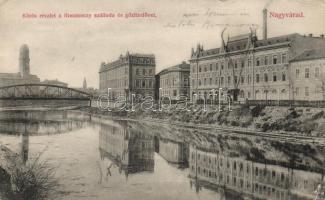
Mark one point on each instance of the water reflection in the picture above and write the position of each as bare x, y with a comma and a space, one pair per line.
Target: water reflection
249, 178
209, 165
30, 123
38, 123
132, 151
174, 152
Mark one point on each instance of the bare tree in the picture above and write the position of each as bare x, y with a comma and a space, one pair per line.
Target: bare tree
230, 61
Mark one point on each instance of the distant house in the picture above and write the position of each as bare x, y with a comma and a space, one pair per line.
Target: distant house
55, 82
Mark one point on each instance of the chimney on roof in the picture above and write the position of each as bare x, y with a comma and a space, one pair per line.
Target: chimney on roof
322, 35
310, 35
264, 23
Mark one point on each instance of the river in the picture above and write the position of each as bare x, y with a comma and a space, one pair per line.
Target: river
104, 159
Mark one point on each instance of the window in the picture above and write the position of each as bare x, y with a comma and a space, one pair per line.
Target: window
274, 76
137, 71
199, 82
316, 72
205, 69
143, 84
242, 79
284, 58
235, 79
222, 80
150, 71
205, 81
242, 64
257, 78
266, 78
200, 68
229, 79
266, 60
210, 82
248, 78
175, 93
257, 62
283, 76
210, 67
307, 73
217, 66
235, 64
222, 64
275, 59
306, 91
297, 91
249, 63
297, 73
144, 72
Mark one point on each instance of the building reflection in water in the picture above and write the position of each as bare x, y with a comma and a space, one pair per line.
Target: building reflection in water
26, 124
132, 151
174, 152
249, 179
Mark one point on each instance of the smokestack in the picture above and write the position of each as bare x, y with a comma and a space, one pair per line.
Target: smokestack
264, 23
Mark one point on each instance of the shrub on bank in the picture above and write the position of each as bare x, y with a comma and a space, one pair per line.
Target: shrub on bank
35, 181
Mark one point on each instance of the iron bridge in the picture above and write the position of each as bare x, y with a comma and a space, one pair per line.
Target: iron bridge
42, 92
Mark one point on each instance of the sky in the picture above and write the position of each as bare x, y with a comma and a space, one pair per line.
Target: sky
70, 49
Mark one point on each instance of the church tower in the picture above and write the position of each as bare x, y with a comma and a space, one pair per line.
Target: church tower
84, 86
24, 61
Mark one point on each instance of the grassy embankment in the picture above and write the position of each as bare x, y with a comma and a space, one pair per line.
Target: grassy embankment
304, 121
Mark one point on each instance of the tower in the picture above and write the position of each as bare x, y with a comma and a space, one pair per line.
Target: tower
24, 61
264, 23
84, 85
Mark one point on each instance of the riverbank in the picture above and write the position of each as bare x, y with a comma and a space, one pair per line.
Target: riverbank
299, 122
20, 181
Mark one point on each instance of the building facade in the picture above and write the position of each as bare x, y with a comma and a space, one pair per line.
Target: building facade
174, 81
249, 68
130, 74
308, 75
23, 76
251, 178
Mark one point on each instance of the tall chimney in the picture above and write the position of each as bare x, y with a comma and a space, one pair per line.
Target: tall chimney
264, 23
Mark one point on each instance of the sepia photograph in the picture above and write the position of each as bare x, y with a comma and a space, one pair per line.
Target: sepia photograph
162, 100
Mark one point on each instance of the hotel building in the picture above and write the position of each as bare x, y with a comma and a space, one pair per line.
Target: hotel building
130, 74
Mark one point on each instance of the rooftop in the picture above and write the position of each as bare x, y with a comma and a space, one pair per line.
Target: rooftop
310, 54
180, 67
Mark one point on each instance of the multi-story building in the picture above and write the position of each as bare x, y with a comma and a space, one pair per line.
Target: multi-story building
174, 81
307, 73
250, 178
23, 76
55, 82
130, 74
249, 68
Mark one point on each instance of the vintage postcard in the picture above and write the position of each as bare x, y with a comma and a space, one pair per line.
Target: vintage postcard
162, 99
